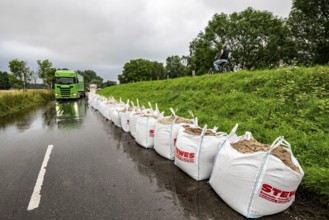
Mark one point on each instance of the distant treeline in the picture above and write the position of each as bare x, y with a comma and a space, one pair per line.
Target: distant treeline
22, 77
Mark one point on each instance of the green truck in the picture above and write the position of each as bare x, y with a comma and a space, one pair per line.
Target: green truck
68, 84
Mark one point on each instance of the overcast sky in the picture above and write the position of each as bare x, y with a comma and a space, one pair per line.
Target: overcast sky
103, 35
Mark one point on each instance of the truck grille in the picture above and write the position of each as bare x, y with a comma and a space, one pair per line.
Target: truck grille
65, 92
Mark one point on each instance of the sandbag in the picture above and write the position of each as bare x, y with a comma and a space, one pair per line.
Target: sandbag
196, 149
104, 106
132, 123
104, 109
115, 113
256, 183
165, 135
124, 117
145, 127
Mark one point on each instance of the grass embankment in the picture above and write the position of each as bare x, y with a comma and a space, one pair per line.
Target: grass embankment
12, 101
293, 102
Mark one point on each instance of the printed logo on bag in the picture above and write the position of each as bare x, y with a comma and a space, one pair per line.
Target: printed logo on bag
151, 133
275, 195
185, 156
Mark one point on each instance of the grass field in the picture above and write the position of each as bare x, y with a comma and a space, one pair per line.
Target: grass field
17, 100
289, 102
16, 91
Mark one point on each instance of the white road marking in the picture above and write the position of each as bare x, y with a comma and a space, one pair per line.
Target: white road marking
36, 196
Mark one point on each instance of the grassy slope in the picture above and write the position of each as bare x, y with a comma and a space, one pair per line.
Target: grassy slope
293, 102
11, 102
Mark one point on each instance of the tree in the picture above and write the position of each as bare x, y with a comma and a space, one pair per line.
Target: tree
202, 55
34, 76
109, 83
45, 71
158, 71
20, 71
141, 70
256, 40
14, 82
309, 25
4, 80
90, 75
50, 77
174, 67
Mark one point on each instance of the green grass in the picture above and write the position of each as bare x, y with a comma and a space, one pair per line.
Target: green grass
293, 102
15, 101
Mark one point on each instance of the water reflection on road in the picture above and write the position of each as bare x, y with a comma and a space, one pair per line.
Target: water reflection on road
70, 114
66, 114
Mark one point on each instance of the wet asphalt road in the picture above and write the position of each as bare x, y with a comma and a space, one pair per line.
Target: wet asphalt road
95, 171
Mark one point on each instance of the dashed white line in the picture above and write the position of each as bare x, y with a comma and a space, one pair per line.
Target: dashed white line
36, 196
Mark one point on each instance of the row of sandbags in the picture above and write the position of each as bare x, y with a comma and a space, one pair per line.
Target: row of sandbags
253, 178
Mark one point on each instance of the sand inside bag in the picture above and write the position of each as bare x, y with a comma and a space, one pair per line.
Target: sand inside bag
252, 146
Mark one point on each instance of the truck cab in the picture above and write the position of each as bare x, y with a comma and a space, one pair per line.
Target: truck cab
68, 85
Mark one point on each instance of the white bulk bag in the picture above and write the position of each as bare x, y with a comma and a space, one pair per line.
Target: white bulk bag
124, 117
114, 114
145, 127
104, 106
132, 122
95, 103
255, 184
141, 111
106, 111
195, 154
165, 135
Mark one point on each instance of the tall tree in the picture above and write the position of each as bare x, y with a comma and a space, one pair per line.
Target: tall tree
174, 67
141, 69
202, 53
46, 71
14, 82
4, 80
256, 39
109, 83
309, 25
90, 75
20, 71
34, 76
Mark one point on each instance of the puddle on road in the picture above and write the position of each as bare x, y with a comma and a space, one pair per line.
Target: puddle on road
64, 114
21, 120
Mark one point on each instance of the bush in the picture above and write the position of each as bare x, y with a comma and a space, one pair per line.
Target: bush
14, 100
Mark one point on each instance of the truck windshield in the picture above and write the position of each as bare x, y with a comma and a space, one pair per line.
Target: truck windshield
64, 80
